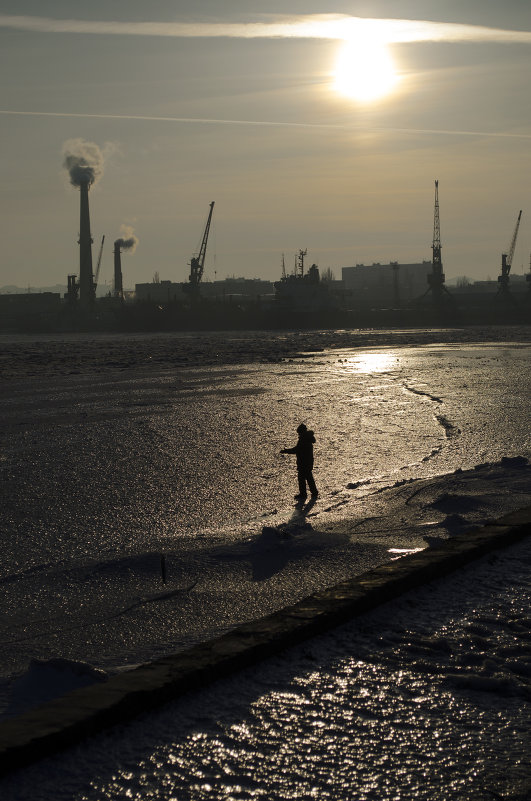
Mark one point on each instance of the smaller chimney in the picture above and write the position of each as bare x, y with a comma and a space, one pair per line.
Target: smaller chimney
127, 242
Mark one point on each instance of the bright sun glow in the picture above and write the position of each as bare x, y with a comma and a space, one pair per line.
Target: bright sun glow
365, 70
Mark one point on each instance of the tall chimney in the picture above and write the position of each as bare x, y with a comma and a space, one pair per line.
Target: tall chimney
118, 285
86, 278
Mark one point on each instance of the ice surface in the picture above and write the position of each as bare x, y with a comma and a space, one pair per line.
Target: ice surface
426, 699
127, 449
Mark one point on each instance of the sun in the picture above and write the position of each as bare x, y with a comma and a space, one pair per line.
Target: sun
364, 70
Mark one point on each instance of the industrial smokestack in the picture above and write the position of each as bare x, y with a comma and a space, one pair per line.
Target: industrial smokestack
84, 163
128, 242
86, 277
118, 283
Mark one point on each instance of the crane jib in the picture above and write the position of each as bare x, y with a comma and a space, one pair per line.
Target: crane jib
197, 262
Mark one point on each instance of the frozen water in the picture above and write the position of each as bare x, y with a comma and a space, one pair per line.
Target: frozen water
426, 698
118, 450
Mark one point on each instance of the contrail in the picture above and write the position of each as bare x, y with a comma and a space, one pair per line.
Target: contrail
313, 26
269, 123
198, 120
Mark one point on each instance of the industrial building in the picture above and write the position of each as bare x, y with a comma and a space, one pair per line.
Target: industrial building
29, 310
160, 292
230, 289
385, 285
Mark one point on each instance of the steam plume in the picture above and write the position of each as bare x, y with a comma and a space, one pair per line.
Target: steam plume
83, 160
128, 241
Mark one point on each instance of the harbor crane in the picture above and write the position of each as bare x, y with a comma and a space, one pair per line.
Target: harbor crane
436, 277
198, 260
507, 260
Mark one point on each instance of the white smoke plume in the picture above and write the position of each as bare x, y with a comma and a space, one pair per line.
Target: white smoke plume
83, 160
128, 240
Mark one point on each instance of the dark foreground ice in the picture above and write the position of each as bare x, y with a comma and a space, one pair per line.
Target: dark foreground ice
426, 699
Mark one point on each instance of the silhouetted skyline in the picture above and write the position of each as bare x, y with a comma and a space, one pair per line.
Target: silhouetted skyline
322, 131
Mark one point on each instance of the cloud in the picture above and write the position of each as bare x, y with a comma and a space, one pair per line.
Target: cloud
315, 26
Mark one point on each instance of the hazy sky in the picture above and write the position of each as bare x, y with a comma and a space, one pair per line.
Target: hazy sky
309, 128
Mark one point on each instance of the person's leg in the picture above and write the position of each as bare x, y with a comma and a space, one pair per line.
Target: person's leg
311, 483
302, 483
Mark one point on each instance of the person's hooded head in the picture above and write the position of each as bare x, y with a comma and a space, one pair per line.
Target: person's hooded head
301, 429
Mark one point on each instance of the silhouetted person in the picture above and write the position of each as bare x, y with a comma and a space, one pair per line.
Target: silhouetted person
304, 452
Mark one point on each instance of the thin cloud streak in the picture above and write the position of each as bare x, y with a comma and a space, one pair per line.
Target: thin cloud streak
315, 26
198, 120
267, 123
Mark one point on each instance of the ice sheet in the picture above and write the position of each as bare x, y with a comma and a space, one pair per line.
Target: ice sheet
111, 464
426, 698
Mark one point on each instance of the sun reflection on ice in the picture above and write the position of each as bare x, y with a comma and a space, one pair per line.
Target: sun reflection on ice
398, 553
369, 362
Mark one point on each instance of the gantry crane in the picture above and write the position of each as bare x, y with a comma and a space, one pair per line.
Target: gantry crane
197, 261
507, 260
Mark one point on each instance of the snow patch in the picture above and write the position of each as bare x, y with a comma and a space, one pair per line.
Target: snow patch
49, 679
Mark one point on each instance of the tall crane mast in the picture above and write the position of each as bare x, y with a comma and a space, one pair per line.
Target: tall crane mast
436, 278
436, 246
197, 262
507, 260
